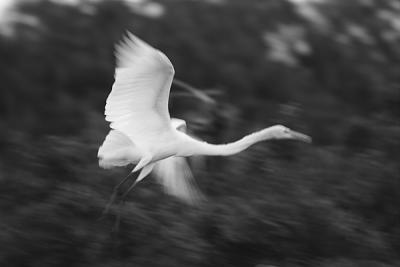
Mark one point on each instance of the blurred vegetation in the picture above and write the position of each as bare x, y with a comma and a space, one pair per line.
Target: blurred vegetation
328, 69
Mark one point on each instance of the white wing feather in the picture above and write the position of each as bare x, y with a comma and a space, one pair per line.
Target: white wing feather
137, 108
116, 150
138, 103
175, 175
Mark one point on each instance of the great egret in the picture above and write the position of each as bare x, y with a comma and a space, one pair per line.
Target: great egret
142, 132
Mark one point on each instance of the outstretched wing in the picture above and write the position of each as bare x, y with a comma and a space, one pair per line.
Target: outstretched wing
175, 175
138, 103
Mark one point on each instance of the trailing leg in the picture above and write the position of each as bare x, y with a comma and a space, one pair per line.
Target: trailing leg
114, 195
145, 171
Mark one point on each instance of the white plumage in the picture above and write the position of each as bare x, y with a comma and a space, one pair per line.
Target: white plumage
138, 103
144, 134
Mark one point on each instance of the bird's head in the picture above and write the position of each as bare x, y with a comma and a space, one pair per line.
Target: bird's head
283, 132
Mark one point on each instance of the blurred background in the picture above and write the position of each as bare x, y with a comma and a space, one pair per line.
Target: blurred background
327, 68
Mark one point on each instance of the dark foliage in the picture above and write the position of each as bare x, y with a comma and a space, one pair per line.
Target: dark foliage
334, 203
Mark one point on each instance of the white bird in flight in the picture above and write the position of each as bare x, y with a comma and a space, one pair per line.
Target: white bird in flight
143, 133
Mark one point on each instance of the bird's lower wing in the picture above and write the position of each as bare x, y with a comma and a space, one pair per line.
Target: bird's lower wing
175, 175
117, 150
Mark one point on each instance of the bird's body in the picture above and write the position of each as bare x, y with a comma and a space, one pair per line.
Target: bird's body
142, 131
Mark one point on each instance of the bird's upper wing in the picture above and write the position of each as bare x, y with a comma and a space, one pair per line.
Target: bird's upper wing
138, 103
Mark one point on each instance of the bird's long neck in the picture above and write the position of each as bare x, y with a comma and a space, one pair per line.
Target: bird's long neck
235, 147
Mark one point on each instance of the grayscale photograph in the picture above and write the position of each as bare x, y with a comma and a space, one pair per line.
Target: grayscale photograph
200, 133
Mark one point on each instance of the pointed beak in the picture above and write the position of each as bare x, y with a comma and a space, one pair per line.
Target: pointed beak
301, 137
